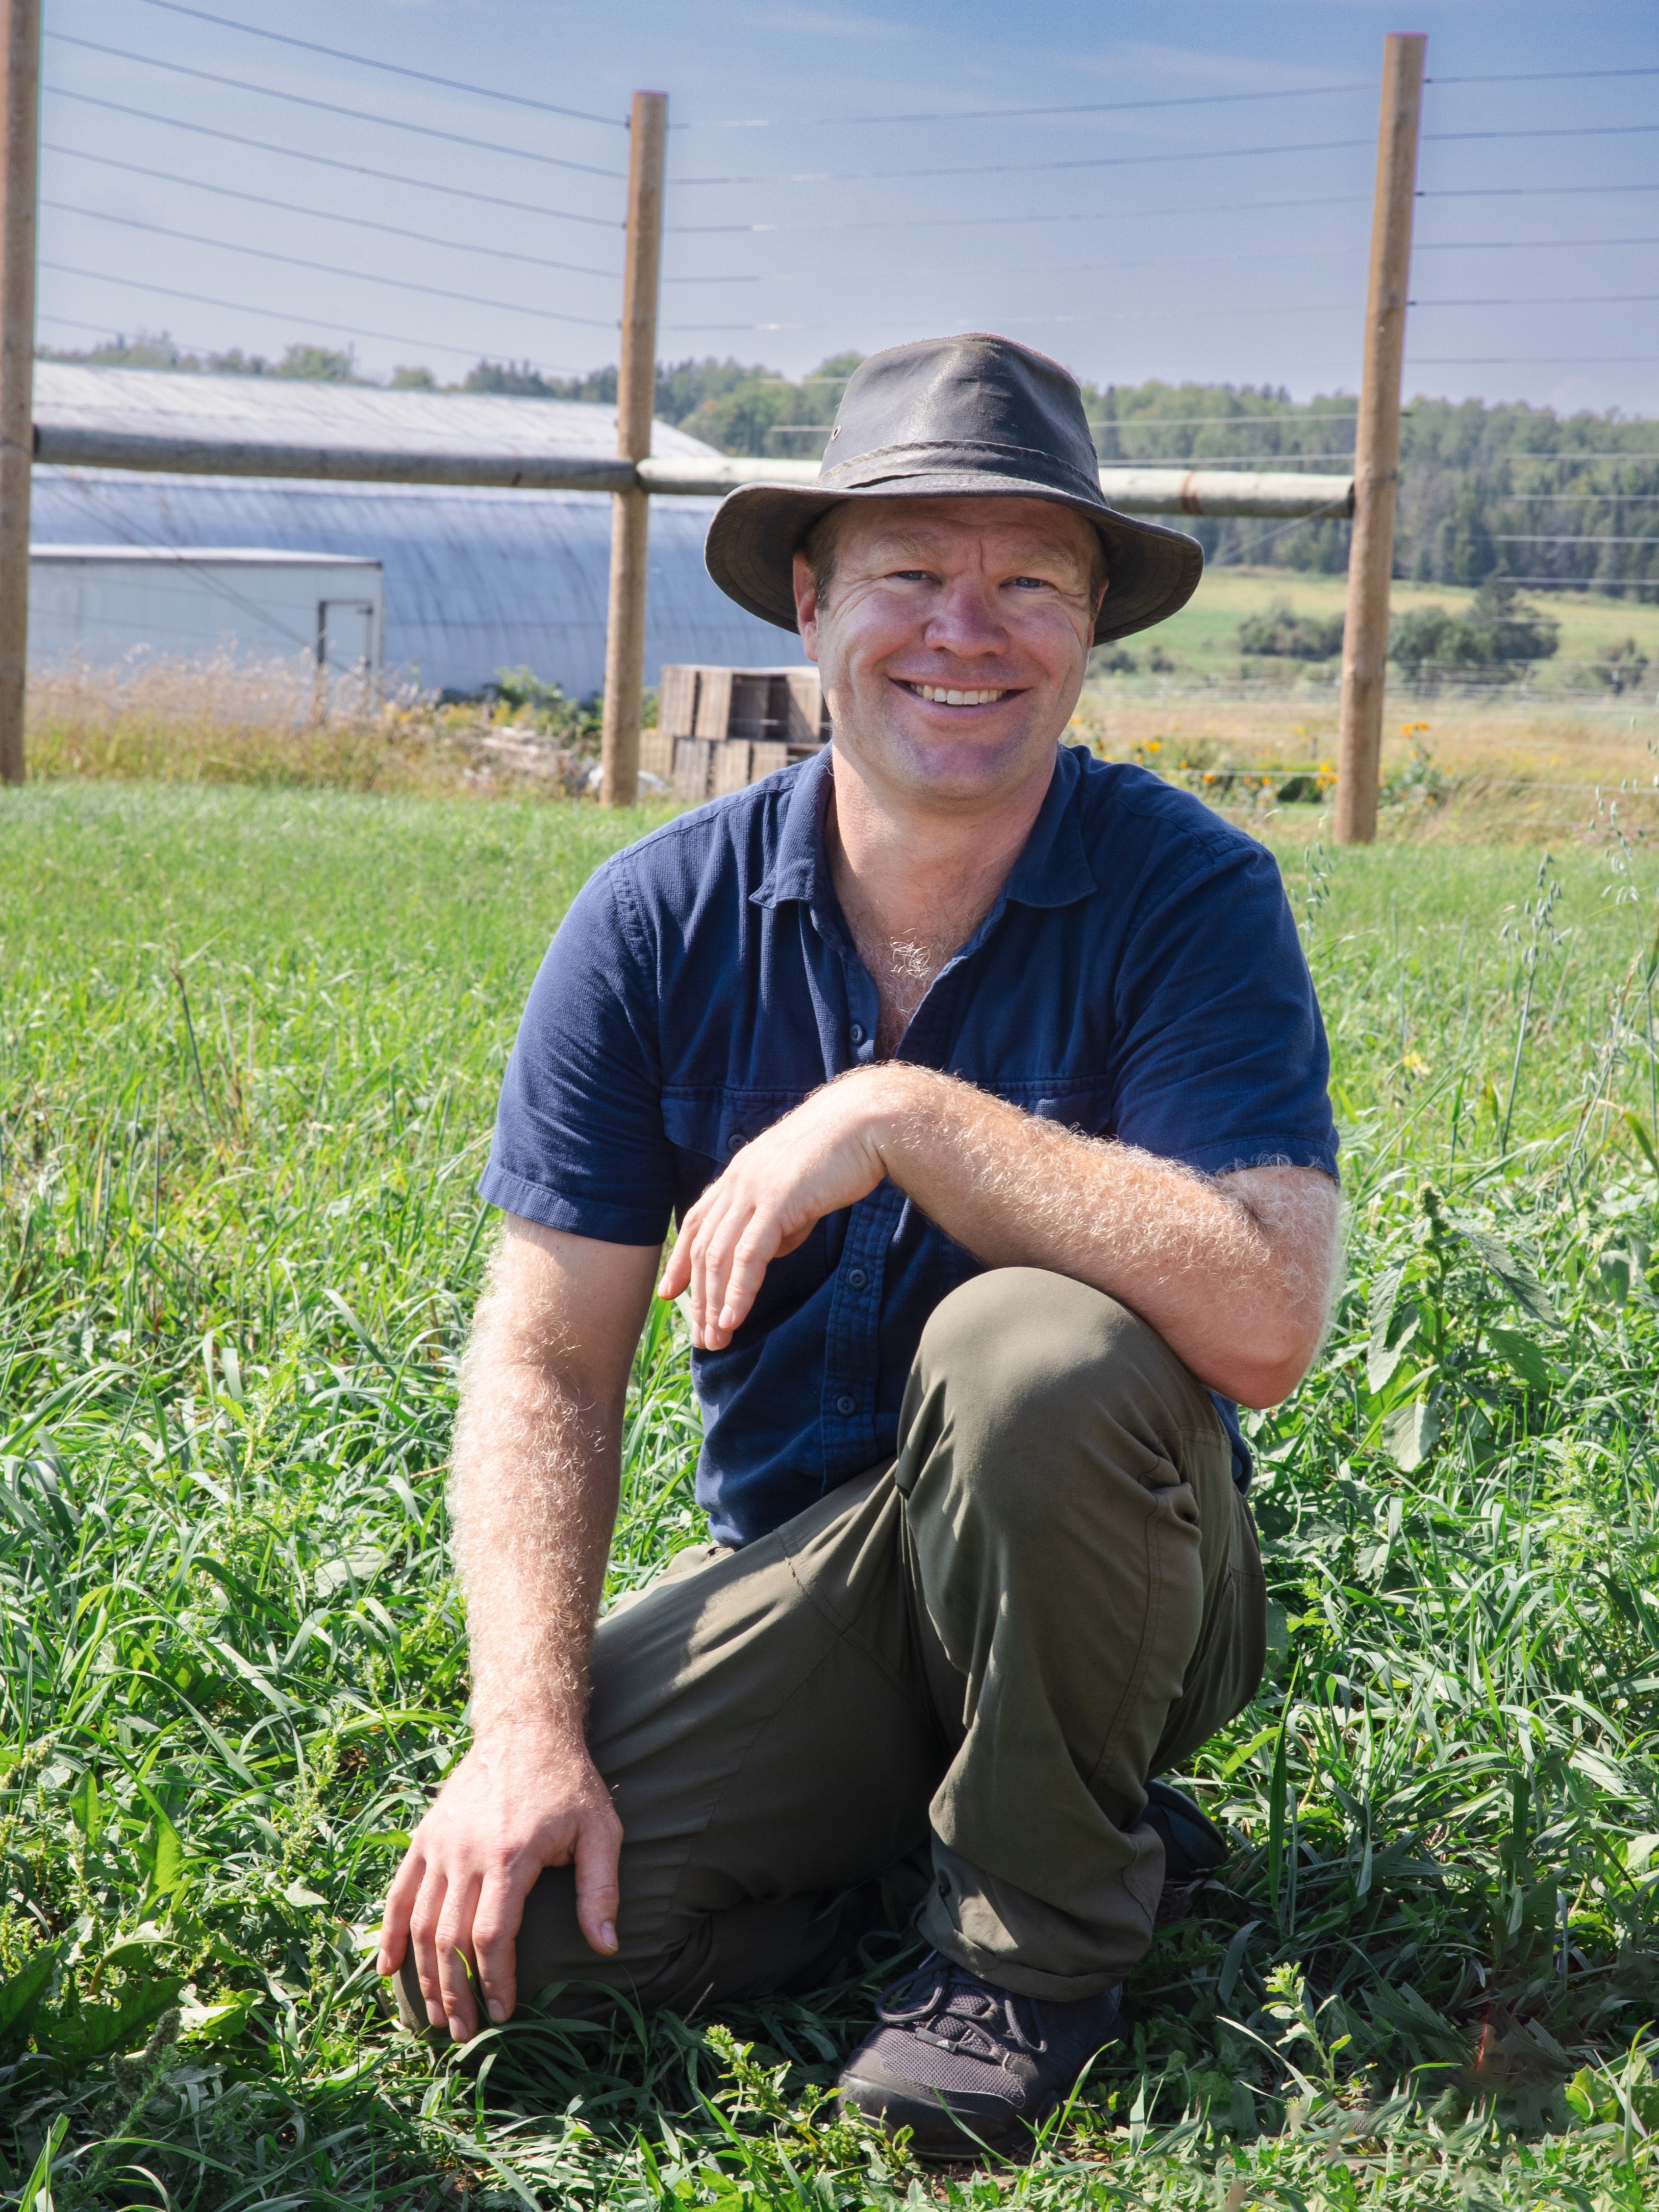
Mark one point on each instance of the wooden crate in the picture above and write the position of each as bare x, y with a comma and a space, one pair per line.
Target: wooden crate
706, 767
719, 729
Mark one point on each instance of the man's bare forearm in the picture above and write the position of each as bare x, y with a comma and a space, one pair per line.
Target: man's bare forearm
533, 1496
1237, 1272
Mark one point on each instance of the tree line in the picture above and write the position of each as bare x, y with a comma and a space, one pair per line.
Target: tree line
1486, 490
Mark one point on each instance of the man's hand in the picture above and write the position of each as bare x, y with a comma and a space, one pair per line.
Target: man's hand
524, 1799
824, 1156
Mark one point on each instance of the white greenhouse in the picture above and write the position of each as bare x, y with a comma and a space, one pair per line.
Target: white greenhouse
475, 579
105, 602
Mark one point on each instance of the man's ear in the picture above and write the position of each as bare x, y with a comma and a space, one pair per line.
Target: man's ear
806, 605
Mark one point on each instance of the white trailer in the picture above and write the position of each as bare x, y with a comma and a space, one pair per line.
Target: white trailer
102, 602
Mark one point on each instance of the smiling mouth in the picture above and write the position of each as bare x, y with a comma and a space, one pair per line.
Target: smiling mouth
939, 695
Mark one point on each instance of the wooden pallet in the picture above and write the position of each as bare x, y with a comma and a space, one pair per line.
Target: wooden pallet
720, 729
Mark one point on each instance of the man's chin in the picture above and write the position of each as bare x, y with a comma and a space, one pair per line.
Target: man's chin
954, 770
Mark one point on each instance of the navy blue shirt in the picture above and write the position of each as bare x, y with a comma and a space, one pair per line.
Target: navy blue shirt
1139, 976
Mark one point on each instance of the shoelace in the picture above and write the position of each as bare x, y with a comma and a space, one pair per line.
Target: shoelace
943, 2003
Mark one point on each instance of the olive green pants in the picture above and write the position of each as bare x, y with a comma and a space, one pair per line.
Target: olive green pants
967, 1663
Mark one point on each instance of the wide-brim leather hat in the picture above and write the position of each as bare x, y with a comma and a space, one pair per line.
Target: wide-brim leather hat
941, 418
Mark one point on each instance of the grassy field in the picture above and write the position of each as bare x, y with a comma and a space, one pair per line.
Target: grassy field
1202, 640
1526, 760
249, 1043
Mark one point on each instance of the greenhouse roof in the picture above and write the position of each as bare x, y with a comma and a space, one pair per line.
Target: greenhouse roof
279, 410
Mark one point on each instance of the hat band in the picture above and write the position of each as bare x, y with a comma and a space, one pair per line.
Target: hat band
940, 457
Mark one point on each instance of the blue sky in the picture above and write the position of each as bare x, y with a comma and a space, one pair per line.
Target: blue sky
1224, 237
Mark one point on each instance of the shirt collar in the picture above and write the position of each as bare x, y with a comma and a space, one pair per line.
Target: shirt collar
799, 867
1053, 868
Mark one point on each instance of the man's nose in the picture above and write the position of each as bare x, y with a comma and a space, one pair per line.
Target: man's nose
966, 619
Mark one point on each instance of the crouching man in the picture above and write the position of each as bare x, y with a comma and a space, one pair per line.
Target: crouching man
987, 1086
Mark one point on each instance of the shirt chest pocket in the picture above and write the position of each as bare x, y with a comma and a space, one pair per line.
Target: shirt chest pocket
710, 1127
1082, 1103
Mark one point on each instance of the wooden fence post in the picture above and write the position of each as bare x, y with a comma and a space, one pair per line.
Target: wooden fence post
1376, 442
20, 157
637, 395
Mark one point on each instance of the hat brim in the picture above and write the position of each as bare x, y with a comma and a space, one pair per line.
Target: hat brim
757, 530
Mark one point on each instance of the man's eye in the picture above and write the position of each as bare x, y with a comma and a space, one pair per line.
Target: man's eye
910, 575
1032, 583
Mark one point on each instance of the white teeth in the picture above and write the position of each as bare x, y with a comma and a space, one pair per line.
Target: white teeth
940, 697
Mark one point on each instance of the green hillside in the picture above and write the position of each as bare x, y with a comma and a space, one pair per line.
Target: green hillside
1201, 642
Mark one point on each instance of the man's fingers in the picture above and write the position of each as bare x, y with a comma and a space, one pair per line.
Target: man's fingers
716, 1228
455, 1945
495, 1924
757, 1247
423, 1935
676, 1276
723, 1308
677, 1273
598, 1847
714, 1253
394, 1921
700, 1226
698, 1260
711, 1257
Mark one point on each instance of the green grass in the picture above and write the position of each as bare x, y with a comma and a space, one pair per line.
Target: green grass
249, 1043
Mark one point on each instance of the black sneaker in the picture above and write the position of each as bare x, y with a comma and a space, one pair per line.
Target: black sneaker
963, 2064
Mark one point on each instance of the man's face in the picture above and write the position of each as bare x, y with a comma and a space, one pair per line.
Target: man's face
952, 639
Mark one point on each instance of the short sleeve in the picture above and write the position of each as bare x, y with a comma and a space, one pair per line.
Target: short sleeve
579, 1143
1223, 1060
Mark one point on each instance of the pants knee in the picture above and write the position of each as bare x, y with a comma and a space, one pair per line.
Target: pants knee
1031, 1326
1037, 1384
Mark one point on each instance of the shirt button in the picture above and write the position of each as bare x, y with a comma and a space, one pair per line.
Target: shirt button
845, 1404
856, 1278
736, 1141
857, 1033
